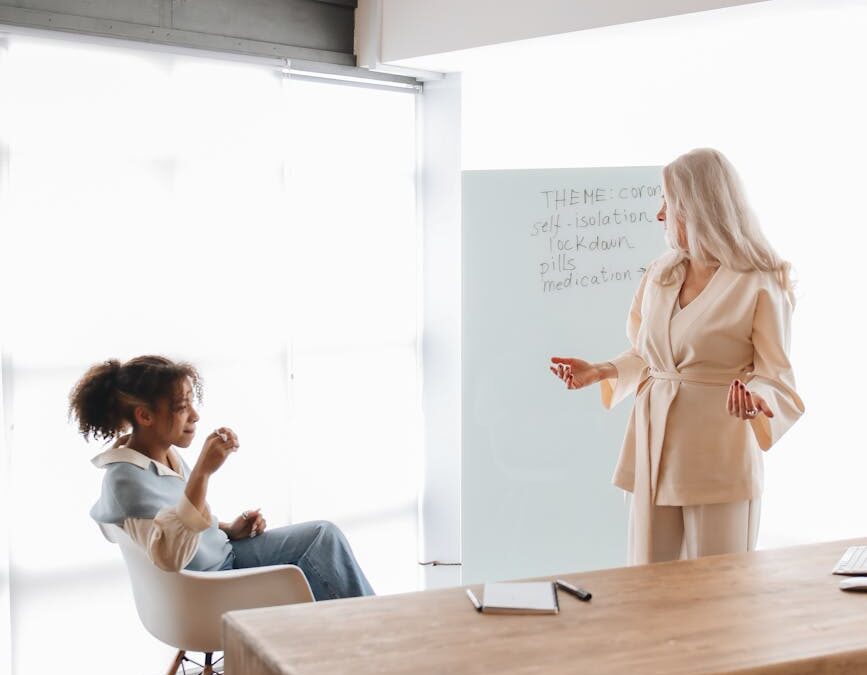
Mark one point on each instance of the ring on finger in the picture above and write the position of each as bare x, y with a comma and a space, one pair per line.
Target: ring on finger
245, 515
753, 412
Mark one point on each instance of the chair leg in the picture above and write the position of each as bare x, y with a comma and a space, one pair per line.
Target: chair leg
208, 670
179, 657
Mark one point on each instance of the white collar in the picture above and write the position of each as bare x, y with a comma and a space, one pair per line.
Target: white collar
125, 454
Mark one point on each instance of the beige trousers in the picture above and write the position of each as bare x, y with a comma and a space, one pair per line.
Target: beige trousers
687, 532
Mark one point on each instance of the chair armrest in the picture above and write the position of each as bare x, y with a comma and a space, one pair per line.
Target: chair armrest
248, 588
234, 573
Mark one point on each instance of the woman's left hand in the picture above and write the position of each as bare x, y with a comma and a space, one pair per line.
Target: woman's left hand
248, 524
745, 404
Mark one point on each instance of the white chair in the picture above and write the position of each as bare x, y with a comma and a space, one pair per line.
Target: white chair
184, 609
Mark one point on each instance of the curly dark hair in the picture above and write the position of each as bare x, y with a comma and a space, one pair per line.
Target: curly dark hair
103, 401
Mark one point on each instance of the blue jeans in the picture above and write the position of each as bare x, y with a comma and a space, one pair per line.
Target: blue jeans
318, 548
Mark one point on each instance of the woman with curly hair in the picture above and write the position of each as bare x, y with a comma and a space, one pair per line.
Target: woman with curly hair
150, 492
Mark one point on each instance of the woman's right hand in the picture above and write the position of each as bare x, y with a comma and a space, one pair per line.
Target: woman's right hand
218, 446
575, 372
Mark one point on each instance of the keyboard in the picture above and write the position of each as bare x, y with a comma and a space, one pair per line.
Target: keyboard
854, 561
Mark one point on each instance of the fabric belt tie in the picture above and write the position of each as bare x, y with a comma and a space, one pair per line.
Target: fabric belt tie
712, 378
648, 449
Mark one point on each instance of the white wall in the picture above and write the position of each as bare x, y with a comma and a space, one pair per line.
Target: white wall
441, 199
411, 29
777, 87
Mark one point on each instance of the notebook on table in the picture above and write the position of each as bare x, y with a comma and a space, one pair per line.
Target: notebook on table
533, 597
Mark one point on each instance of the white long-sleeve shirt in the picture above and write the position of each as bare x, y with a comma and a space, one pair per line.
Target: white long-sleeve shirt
146, 498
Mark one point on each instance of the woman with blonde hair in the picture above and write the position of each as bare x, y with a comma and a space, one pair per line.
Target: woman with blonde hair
710, 330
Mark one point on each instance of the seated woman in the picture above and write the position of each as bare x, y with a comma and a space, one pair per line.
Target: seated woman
150, 492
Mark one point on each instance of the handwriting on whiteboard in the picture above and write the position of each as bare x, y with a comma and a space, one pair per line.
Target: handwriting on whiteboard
583, 229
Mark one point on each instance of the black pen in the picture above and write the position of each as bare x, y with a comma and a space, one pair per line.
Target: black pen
579, 593
474, 600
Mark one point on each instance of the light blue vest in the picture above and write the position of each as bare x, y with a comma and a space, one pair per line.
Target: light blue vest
128, 491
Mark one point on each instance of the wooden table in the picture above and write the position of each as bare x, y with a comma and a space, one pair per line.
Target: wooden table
777, 611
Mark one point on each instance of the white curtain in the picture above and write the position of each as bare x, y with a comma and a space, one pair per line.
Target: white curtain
214, 211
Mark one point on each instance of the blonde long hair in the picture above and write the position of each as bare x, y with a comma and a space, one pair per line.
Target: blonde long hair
703, 190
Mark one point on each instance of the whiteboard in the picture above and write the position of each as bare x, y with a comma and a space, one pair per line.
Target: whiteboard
551, 260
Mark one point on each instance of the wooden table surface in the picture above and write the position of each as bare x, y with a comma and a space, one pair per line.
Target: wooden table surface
778, 611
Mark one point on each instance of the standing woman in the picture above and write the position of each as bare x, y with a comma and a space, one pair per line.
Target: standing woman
710, 330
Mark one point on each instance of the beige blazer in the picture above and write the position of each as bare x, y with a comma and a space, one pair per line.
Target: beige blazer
681, 445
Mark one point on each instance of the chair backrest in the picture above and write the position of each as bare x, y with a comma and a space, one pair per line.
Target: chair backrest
184, 609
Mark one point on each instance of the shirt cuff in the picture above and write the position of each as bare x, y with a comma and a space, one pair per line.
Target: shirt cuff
191, 517
631, 371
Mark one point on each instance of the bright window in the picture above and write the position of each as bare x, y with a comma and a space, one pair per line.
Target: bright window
216, 212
